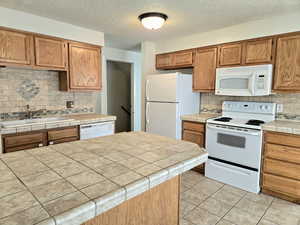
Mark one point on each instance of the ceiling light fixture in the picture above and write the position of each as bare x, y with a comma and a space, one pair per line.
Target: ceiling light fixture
153, 20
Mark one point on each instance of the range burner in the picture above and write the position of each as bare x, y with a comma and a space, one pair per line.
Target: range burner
223, 119
255, 122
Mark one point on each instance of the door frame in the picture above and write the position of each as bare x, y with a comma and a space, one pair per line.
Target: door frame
134, 58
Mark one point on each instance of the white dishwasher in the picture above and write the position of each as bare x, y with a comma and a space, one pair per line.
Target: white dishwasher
94, 130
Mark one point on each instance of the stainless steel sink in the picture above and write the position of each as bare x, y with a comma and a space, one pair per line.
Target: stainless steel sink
15, 123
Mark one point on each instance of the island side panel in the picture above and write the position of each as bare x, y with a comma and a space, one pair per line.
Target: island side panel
158, 206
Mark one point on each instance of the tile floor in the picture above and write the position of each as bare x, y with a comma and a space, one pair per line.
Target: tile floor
208, 202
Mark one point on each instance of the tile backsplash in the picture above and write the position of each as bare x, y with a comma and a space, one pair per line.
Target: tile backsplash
291, 103
39, 90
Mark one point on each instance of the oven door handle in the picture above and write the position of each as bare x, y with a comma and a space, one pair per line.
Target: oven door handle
253, 133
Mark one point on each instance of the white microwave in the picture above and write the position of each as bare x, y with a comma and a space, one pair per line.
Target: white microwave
244, 80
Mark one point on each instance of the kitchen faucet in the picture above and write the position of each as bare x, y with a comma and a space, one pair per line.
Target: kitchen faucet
30, 114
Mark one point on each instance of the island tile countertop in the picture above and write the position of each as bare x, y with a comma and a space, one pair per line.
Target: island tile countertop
200, 118
71, 183
70, 120
284, 126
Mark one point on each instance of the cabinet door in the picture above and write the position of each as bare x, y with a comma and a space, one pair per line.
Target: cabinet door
22, 141
258, 51
61, 135
84, 67
230, 54
15, 47
287, 70
163, 61
182, 59
204, 74
194, 137
50, 52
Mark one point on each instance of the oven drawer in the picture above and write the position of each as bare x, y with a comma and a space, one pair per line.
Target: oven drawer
282, 139
281, 152
199, 127
282, 168
282, 185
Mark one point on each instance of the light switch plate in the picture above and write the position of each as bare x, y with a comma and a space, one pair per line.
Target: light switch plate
279, 108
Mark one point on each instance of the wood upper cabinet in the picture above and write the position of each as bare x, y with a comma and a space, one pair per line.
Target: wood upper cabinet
258, 51
175, 60
204, 73
287, 69
163, 61
50, 52
230, 54
182, 59
15, 47
84, 67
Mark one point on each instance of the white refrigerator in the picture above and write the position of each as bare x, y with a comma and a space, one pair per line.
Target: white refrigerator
168, 96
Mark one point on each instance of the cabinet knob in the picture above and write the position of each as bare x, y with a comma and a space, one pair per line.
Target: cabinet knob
51, 142
41, 145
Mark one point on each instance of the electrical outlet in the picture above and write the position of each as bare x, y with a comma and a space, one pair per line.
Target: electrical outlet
279, 108
70, 104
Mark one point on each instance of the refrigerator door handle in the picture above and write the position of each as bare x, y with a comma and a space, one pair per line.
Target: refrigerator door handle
147, 90
147, 112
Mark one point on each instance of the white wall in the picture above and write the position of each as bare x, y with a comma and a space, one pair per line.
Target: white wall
28, 22
148, 67
129, 57
273, 25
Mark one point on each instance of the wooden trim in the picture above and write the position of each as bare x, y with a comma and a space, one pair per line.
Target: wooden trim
159, 205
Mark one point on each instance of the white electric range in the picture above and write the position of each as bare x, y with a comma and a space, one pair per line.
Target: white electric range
234, 143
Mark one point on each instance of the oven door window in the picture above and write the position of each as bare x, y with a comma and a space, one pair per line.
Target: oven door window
234, 83
231, 140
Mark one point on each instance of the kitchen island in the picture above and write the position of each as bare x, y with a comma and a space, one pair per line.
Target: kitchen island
127, 178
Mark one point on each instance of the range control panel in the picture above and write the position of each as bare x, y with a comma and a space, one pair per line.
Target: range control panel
249, 107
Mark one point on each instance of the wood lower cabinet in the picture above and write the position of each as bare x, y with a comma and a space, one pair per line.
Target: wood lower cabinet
35, 139
175, 60
85, 67
15, 48
204, 74
258, 51
281, 166
194, 132
287, 69
50, 52
61, 135
230, 54
22, 141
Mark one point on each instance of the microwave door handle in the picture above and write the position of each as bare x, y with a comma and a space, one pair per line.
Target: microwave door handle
232, 130
252, 80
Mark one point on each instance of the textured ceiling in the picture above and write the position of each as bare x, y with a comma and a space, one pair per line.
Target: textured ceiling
118, 18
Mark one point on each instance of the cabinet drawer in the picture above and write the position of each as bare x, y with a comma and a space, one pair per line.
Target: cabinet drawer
283, 139
281, 168
199, 127
24, 139
194, 137
281, 152
62, 133
282, 185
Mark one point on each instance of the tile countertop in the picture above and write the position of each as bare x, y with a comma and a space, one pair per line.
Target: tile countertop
200, 118
71, 183
71, 120
284, 126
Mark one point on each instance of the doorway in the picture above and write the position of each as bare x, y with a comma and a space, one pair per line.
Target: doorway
119, 94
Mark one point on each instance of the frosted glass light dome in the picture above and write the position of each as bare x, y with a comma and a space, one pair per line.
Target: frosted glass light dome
153, 21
